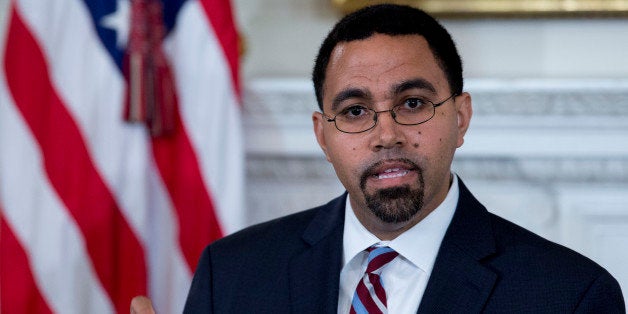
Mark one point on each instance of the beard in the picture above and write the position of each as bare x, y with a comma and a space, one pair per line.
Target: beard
396, 204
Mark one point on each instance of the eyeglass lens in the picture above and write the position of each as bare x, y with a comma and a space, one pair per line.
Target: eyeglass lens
361, 119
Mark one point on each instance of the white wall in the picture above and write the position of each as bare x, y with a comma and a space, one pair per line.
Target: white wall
283, 36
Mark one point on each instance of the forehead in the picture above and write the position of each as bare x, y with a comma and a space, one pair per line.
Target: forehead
380, 62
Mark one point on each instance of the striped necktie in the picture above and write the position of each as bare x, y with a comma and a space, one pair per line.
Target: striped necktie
370, 296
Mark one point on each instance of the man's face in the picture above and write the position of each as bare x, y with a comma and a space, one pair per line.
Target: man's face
395, 174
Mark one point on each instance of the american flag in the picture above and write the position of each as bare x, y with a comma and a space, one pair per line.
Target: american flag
120, 150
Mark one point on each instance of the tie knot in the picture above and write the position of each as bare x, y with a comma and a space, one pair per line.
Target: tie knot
378, 257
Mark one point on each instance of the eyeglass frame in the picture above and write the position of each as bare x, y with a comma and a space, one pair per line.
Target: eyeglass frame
392, 114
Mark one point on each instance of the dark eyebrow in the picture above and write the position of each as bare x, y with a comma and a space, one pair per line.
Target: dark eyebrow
348, 94
417, 83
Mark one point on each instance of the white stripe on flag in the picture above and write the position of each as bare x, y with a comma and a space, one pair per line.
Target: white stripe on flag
170, 276
93, 92
210, 110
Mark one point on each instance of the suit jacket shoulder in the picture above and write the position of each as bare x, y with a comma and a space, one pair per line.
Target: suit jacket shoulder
290, 264
488, 264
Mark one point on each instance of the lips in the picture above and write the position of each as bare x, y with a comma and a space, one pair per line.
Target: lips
388, 169
392, 173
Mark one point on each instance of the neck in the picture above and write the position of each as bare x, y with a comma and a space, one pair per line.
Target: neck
388, 231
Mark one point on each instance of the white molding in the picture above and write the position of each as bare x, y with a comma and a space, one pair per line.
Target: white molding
520, 118
594, 221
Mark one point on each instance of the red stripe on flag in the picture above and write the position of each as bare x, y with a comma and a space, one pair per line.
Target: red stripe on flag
18, 291
220, 16
115, 251
179, 169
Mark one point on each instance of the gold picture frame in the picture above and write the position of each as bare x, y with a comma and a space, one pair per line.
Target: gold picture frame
503, 8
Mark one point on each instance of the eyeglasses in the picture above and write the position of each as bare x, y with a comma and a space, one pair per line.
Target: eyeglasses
358, 119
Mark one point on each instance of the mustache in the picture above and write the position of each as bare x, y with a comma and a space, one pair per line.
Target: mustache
371, 170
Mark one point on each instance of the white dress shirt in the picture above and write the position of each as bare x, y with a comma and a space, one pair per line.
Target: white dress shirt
405, 277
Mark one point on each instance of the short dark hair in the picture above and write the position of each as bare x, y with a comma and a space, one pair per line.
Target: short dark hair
390, 20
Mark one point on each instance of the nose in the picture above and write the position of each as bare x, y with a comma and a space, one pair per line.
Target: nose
387, 132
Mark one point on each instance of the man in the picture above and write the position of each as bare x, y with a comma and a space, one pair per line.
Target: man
388, 81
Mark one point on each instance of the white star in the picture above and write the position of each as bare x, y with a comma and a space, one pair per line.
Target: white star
119, 21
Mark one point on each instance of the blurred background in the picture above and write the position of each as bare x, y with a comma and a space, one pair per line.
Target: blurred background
548, 143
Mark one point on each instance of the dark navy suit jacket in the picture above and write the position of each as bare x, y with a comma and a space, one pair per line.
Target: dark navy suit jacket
485, 264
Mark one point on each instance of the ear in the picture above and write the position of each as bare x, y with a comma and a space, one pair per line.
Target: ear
464, 111
319, 123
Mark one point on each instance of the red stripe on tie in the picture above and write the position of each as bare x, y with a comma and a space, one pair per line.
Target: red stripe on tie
220, 16
380, 261
366, 299
18, 291
114, 249
378, 288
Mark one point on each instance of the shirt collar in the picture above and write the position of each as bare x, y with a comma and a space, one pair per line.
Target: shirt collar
418, 244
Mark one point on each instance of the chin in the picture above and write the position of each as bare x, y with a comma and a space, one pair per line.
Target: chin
395, 204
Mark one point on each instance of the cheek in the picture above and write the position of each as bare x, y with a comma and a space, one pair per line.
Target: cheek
343, 154
418, 140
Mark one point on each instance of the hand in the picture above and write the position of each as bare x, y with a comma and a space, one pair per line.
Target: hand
141, 305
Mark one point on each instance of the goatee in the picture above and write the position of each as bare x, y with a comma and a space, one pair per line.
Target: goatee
396, 204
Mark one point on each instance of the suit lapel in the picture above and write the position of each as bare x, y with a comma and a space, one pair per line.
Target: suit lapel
315, 273
459, 282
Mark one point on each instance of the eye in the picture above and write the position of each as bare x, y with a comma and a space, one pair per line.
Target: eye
413, 104
354, 112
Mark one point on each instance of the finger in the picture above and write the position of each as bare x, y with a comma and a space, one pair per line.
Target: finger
141, 305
